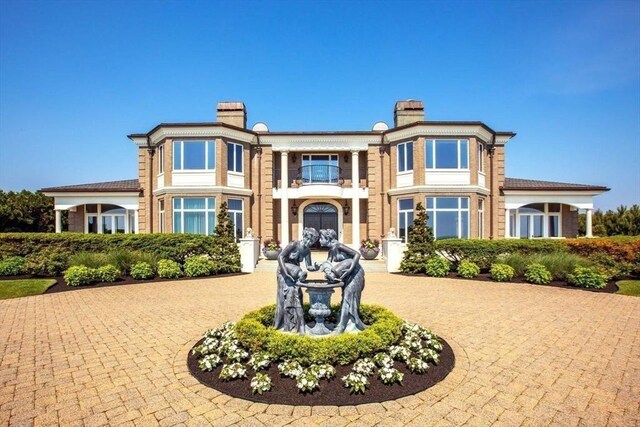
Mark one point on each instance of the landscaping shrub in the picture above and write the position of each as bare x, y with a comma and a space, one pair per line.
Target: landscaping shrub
149, 258
142, 271
587, 277
79, 275
88, 259
622, 249
123, 259
502, 272
468, 269
559, 264
255, 332
608, 265
168, 269
538, 274
47, 262
436, 266
107, 273
225, 254
12, 266
486, 252
516, 261
419, 245
197, 266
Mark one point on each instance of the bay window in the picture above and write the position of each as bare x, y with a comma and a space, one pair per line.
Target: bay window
448, 217
194, 155
405, 218
405, 156
194, 215
447, 154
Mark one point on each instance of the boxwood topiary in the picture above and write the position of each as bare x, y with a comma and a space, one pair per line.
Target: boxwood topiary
107, 273
468, 269
502, 272
437, 266
168, 269
586, 277
142, 271
538, 274
255, 331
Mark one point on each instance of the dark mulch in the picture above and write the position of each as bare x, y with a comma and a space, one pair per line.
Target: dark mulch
611, 287
284, 391
61, 285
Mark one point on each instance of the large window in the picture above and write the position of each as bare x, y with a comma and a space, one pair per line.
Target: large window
194, 215
405, 156
194, 155
447, 154
235, 215
536, 220
161, 216
320, 168
107, 219
405, 218
234, 157
480, 157
481, 218
448, 217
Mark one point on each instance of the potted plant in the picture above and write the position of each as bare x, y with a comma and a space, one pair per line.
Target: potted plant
370, 249
271, 249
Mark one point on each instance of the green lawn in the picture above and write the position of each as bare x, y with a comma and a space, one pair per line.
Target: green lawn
24, 287
629, 287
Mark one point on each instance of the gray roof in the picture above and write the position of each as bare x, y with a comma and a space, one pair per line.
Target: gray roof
537, 185
127, 185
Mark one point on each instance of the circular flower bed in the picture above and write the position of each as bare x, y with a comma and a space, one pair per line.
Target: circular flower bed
388, 360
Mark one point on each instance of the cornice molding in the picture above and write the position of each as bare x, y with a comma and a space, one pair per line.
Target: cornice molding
196, 132
319, 142
426, 130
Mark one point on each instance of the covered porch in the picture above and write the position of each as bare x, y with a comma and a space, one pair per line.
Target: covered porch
102, 208
544, 209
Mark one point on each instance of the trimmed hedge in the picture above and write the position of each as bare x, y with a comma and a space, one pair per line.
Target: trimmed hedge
255, 332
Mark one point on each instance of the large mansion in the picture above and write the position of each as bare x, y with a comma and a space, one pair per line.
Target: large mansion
361, 183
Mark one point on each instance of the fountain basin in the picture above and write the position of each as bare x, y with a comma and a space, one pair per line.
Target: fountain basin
320, 292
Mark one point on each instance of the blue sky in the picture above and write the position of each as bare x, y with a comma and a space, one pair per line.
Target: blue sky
77, 77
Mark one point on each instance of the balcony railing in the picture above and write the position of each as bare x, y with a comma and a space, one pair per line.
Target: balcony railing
319, 174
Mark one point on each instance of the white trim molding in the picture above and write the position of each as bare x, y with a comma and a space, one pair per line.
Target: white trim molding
322, 191
195, 131
439, 189
204, 189
68, 201
428, 130
581, 200
320, 143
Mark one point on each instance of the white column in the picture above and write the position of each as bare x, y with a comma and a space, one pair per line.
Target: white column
126, 221
355, 201
589, 230
284, 201
99, 218
507, 224
58, 221
136, 221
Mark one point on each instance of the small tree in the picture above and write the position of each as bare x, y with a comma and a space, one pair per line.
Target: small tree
226, 255
420, 245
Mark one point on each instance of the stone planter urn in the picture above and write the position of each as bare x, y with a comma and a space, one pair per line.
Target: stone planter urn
369, 254
271, 254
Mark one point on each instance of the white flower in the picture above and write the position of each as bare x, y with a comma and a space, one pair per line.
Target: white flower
390, 375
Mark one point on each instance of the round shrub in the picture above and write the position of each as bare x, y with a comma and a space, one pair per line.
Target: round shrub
12, 266
197, 266
587, 277
255, 332
437, 266
538, 274
502, 272
468, 269
142, 271
107, 273
168, 269
79, 275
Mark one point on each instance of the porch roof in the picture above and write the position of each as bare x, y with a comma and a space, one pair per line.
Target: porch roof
537, 185
124, 186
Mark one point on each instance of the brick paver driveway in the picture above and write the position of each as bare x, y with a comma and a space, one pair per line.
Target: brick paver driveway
525, 355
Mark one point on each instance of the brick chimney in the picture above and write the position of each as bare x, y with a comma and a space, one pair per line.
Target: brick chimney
406, 112
232, 113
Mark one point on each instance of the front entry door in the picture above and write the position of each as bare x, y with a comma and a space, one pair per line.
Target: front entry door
321, 216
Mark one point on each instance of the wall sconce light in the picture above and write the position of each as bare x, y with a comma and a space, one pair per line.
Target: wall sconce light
294, 209
294, 158
346, 157
346, 207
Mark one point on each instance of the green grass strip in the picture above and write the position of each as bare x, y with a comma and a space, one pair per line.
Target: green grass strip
629, 287
24, 287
